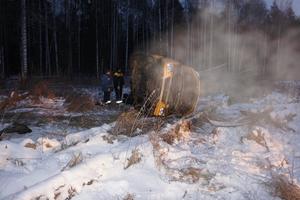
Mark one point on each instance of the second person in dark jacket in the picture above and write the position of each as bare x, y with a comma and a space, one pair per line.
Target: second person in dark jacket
118, 78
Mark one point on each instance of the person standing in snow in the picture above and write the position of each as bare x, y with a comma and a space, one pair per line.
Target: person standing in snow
118, 85
107, 86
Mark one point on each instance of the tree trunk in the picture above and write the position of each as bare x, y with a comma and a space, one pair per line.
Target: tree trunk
40, 39
79, 36
97, 42
127, 37
211, 34
55, 37
2, 73
2, 62
70, 56
172, 31
160, 27
24, 67
47, 51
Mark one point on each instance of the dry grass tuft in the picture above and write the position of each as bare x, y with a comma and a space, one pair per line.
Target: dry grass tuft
257, 136
187, 174
135, 158
125, 123
286, 189
81, 103
30, 145
108, 138
71, 193
75, 160
48, 145
129, 122
169, 137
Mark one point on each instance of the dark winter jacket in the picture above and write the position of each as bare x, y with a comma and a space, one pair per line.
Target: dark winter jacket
118, 79
106, 83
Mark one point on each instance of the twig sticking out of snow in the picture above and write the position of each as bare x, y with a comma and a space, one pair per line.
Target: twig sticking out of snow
75, 160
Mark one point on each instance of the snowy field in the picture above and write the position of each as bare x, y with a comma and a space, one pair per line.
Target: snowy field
236, 154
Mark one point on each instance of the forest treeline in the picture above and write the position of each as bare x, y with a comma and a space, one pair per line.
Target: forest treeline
84, 37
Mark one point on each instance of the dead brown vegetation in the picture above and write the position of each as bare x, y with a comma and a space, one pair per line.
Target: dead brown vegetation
108, 138
30, 145
257, 136
129, 122
81, 103
12, 100
187, 174
285, 189
181, 131
41, 89
135, 158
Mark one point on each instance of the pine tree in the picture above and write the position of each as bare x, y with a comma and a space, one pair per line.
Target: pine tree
24, 68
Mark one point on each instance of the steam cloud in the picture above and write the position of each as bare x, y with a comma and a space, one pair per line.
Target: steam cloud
229, 60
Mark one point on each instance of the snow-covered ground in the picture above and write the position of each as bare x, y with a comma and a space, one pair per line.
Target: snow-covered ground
225, 162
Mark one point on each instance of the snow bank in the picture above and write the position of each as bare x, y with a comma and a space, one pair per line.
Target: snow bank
219, 163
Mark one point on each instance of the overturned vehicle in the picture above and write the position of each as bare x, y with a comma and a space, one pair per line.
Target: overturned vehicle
162, 86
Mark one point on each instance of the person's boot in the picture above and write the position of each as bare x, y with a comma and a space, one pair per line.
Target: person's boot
119, 101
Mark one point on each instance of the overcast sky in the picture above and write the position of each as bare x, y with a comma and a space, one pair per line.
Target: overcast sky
296, 5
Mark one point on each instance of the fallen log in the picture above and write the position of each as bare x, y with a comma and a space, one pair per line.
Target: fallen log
15, 128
